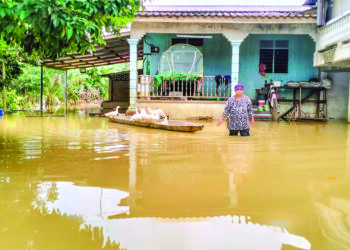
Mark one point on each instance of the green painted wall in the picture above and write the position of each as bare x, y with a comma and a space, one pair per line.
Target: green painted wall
215, 52
217, 58
300, 63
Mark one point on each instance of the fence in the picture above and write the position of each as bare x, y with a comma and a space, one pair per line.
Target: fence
206, 87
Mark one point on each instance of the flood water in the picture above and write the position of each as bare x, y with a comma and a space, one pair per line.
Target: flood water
86, 183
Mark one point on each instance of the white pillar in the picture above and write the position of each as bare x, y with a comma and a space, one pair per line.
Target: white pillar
133, 75
234, 64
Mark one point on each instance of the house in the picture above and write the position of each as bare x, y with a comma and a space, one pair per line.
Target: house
296, 43
332, 55
232, 40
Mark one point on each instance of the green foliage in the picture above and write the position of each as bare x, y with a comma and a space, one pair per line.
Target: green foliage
28, 85
53, 28
24, 92
10, 57
13, 70
96, 81
12, 62
54, 91
14, 101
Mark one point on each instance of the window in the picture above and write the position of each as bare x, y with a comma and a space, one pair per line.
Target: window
193, 41
274, 54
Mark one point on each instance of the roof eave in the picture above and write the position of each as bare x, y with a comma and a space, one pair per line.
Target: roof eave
224, 19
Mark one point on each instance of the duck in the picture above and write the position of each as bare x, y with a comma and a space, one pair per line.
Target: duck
116, 110
136, 116
114, 113
155, 117
144, 116
153, 114
165, 122
159, 112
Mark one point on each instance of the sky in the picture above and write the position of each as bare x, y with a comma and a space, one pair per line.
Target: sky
225, 2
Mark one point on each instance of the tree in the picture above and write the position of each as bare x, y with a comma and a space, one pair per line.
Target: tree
54, 91
9, 57
12, 59
53, 28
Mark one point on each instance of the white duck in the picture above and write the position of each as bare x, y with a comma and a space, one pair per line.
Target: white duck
136, 116
116, 110
144, 115
159, 112
114, 113
165, 122
153, 115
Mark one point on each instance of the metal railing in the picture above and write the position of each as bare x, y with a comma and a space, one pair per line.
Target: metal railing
205, 87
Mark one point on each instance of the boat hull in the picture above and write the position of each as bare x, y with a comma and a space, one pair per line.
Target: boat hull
172, 125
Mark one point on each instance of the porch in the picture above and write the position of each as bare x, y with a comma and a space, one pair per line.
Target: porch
225, 63
230, 46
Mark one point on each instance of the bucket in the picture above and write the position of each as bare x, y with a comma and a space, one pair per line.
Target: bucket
261, 103
267, 107
260, 108
262, 97
1, 113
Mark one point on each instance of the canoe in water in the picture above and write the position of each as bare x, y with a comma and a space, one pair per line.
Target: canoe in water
172, 125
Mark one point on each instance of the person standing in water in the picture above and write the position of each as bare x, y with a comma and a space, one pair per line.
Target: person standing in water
238, 109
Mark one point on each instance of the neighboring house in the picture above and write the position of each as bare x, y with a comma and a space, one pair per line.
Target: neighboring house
332, 54
233, 41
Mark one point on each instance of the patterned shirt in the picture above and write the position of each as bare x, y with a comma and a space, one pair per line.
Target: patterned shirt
238, 112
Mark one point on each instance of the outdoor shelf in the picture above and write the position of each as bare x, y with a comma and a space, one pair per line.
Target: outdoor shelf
320, 114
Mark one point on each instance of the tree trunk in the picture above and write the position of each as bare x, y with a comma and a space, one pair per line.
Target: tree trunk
3, 86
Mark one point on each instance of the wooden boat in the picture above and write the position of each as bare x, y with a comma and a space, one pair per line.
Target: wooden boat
172, 125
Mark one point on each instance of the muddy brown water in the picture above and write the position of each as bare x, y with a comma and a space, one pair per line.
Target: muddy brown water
87, 183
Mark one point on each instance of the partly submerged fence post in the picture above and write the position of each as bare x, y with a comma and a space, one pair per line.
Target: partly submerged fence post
4, 87
41, 90
65, 92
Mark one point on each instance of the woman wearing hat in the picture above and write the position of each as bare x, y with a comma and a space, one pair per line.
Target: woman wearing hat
238, 109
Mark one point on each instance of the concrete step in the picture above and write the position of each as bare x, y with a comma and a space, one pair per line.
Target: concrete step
262, 115
261, 112
262, 119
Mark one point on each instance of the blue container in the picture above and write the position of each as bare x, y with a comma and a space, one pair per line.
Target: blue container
1, 113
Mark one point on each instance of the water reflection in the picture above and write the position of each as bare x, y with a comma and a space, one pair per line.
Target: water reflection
226, 232
150, 189
236, 158
95, 205
88, 202
333, 209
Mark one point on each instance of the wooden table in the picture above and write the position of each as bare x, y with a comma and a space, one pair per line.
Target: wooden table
298, 100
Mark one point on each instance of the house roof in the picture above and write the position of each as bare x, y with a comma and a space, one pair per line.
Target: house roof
115, 51
228, 11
